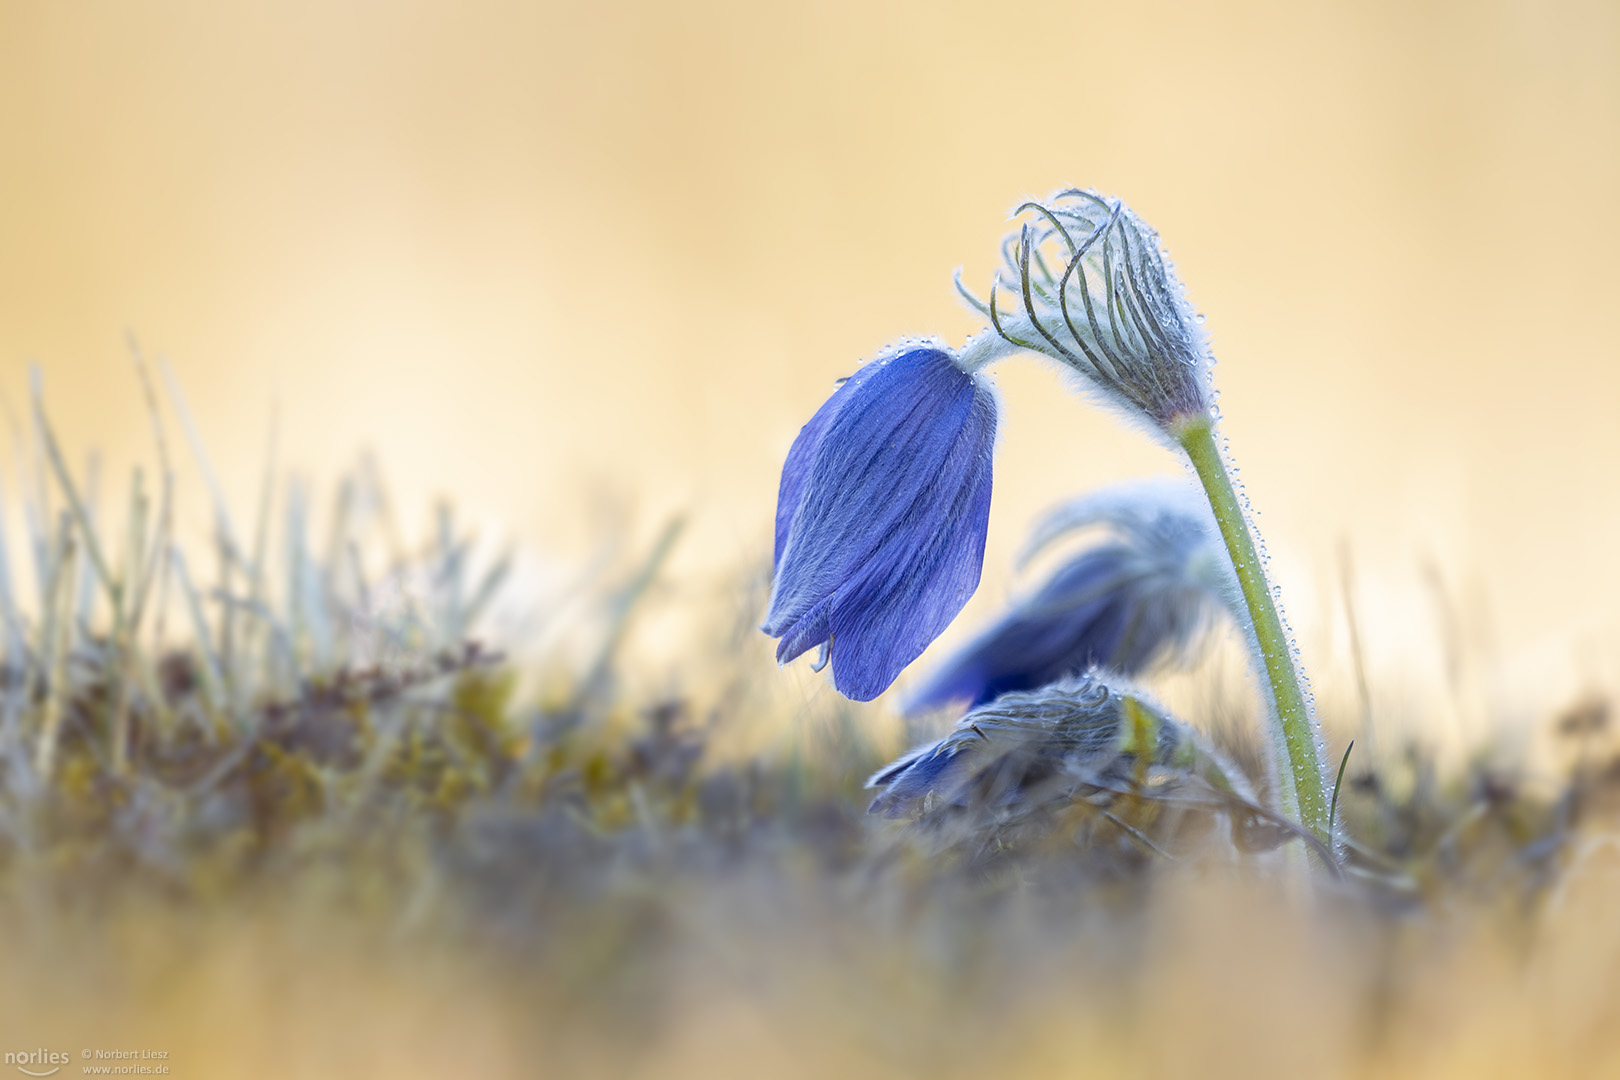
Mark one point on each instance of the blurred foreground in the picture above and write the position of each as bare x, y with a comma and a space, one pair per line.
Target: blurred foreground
288, 818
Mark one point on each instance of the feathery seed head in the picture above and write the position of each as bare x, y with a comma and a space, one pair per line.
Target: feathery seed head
1085, 282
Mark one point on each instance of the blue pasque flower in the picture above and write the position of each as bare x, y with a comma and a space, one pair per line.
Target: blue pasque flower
1144, 592
881, 517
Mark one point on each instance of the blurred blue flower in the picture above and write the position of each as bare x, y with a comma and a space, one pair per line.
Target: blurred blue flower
881, 517
1144, 595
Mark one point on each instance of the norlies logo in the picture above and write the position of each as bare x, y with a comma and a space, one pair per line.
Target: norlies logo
37, 1062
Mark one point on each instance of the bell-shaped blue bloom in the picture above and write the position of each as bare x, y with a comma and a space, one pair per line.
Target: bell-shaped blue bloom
881, 517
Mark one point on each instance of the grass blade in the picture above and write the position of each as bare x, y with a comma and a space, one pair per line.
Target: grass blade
1333, 807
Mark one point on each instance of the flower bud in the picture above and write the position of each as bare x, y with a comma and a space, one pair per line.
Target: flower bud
1084, 281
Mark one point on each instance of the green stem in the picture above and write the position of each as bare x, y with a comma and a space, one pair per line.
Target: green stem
1197, 437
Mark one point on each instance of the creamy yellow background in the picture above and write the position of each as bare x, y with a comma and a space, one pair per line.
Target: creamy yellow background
535, 252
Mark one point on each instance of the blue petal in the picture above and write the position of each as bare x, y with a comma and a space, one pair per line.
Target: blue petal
1105, 608
916, 583
879, 451
912, 776
810, 630
802, 455
882, 509
1085, 616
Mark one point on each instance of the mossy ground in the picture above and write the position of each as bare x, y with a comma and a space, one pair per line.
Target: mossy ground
331, 835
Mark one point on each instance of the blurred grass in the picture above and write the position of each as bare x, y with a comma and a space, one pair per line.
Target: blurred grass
276, 805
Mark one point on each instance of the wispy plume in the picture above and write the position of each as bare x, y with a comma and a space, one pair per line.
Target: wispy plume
1083, 280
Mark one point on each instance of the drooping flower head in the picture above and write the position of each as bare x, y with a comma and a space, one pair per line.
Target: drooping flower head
1084, 281
1050, 744
881, 517
1143, 593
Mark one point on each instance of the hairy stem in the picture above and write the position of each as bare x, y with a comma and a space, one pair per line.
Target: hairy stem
1307, 790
